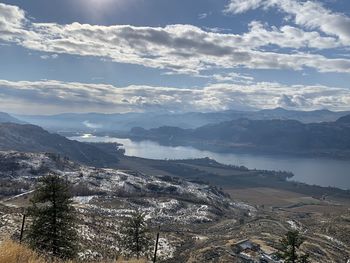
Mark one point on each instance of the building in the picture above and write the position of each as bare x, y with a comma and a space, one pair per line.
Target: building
251, 252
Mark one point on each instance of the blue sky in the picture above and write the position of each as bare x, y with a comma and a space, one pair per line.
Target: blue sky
173, 55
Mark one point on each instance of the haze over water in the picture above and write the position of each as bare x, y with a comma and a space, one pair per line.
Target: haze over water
318, 171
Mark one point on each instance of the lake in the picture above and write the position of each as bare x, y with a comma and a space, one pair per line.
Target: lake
318, 171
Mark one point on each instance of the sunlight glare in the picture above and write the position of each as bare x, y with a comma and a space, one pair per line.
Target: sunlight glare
96, 6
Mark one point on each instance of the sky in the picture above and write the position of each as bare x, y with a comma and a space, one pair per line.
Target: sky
115, 56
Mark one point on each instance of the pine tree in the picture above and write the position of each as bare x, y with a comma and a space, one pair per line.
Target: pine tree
134, 236
53, 219
289, 245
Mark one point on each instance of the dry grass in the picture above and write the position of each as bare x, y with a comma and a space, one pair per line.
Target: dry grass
12, 252
266, 196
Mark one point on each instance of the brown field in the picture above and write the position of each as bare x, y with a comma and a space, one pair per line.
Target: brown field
270, 197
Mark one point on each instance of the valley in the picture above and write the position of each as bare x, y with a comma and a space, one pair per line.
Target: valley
153, 131
203, 209
198, 222
314, 171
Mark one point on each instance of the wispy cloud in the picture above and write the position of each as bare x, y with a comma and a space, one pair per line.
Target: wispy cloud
238, 6
202, 15
309, 14
50, 56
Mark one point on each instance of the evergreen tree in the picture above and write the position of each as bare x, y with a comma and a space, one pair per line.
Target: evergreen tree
134, 236
289, 245
53, 226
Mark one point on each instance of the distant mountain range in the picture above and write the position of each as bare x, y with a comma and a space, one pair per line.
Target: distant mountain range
277, 131
97, 122
331, 139
30, 138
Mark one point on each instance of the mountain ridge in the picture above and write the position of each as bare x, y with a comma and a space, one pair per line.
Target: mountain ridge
31, 138
5, 117
331, 139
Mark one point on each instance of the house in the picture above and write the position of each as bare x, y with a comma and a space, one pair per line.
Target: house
251, 252
244, 245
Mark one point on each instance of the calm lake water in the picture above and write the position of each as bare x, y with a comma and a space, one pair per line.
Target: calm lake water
324, 172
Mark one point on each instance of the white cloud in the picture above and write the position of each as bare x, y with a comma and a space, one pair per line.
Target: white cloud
313, 15
239, 6
55, 96
309, 14
232, 77
12, 20
288, 37
178, 48
52, 56
202, 15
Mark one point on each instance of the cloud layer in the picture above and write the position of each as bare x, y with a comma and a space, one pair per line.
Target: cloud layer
185, 48
56, 96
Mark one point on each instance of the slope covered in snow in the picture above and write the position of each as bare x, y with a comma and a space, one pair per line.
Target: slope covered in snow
104, 197
164, 198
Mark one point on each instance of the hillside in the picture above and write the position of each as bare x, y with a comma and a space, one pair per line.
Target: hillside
197, 222
28, 167
103, 197
330, 139
345, 120
30, 138
5, 117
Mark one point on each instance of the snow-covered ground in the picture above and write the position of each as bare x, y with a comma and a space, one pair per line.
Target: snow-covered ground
112, 195
29, 166
294, 225
334, 240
